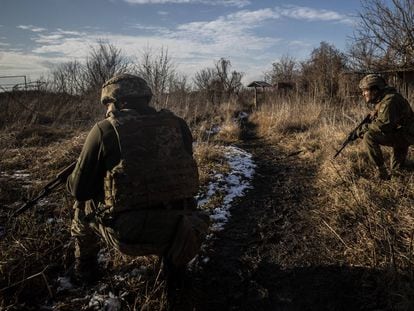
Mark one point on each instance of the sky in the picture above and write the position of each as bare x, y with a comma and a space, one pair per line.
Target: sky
36, 35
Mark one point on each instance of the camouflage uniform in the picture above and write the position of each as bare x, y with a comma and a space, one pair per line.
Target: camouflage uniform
393, 126
100, 152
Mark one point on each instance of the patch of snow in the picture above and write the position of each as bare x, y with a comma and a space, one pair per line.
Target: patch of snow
232, 185
64, 284
242, 115
105, 302
19, 175
96, 301
120, 278
103, 256
214, 130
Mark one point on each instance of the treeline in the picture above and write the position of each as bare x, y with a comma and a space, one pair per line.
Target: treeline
383, 40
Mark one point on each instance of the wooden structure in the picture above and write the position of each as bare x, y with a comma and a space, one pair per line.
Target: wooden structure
401, 78
258, 85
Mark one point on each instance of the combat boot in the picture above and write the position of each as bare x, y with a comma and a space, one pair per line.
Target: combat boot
382, 173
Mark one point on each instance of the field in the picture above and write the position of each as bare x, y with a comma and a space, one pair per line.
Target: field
311, 233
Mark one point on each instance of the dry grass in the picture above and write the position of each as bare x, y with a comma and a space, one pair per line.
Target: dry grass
357, 220
37, 247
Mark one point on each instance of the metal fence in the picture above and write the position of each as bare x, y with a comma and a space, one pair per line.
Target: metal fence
18, 83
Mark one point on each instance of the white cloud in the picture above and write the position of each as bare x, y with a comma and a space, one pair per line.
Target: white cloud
154, 29
310, 14
237, 3
192, 46
229, 36
68, 33
31, 28
233, 32
18, 63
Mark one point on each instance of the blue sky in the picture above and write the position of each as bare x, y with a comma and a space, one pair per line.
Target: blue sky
35, 35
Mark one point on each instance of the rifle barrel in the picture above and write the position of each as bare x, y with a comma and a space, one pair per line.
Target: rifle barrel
60, 179
367, 119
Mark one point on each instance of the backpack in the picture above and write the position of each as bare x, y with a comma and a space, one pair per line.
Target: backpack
155, 168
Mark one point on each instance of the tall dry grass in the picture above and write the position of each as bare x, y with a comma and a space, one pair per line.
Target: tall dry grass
41, 134
356, 219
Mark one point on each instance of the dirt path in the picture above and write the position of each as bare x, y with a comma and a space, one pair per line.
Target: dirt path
268, 257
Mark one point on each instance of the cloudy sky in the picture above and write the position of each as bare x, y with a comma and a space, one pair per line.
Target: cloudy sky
35, 35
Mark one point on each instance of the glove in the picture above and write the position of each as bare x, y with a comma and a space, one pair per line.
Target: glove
362, 130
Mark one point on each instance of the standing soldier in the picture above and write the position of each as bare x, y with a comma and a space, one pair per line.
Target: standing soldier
392, 124
134, 184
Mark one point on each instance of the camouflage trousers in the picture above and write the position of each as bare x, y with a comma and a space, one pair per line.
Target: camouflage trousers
373, 140
175, 233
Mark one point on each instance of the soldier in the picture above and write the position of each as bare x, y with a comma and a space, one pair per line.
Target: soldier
392, 124
135, 182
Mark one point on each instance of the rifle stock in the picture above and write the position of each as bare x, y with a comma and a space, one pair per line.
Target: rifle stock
60, 179
367, 119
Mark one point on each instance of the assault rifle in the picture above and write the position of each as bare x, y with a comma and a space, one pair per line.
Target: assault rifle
352, 135
60, 179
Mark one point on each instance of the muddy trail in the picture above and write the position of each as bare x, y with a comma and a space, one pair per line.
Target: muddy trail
269, 257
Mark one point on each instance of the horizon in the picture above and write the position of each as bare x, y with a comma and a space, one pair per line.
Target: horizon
196, 33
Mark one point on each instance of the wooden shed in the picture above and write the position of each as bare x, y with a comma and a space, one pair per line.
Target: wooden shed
258, 85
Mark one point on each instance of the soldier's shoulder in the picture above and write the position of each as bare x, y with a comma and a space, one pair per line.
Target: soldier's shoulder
392, 96
104, 126
166, 112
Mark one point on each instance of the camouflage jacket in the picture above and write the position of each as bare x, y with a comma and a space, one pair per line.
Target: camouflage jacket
100, 153
392, 113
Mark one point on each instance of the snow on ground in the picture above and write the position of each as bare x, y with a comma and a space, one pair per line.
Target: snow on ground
105, 302
21, 176
231, 185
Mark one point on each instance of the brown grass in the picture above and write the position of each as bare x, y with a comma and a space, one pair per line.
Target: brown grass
37, 247
357, 219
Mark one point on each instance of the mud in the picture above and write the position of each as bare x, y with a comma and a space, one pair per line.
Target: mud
268, 256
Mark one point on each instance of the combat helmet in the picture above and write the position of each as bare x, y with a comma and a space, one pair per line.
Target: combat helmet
372, 80
125, 86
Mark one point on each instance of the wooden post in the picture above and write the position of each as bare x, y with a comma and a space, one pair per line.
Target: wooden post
255, 97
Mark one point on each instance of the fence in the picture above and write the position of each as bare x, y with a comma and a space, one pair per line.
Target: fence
18, 83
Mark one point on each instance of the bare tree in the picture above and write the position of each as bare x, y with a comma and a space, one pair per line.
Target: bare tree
179, 84
158, 70
284, 70
230, 80
69, 78
387, 28
220, 83
361, 55
204, 78
320, 74
104, 61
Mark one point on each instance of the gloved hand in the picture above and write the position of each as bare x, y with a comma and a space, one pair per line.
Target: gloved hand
362, 130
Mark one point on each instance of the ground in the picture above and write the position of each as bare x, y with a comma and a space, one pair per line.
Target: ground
268, 256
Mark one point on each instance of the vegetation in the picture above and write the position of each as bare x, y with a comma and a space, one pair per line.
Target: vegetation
356, 220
